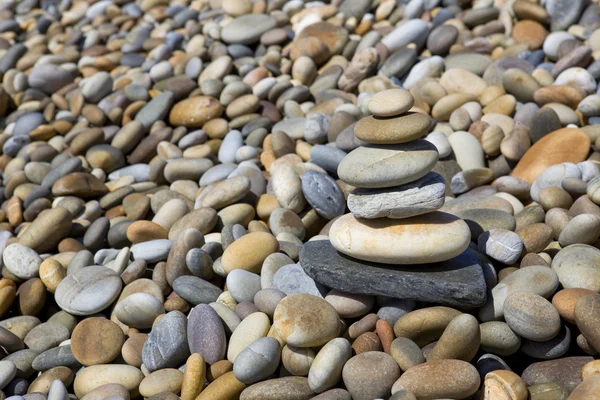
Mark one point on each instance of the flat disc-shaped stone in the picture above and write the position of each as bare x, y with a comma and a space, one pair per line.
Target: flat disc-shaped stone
456, 282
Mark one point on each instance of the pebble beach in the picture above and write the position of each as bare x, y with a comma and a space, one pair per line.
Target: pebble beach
294, 200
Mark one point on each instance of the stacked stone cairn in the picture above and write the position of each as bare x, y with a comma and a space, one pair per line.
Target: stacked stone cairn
395, 239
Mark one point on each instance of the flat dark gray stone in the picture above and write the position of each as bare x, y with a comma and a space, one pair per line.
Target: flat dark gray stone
456, 282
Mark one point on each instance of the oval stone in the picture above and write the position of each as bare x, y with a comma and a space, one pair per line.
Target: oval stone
304, 320
88, 291
421, 239
453, 379
386, 166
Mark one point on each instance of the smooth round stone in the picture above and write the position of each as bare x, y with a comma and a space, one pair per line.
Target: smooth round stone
327, 157
394, 130
501, 245
441, 39
417, 242
258, 361
406, 353
161, 382
287, 388
425, 325
247, 29
8, 371
45, 336
253, 327
582, 229
323, 194
390, 103
531, 316
419, 197
498, 338
536, 279
195, 290
459, 341
440, 379
414, 31
95, 377
206, 334
326, 370
243, 285
22, 261
304, 320
88, 291
370, 375
49, 78
286, 221
349, 305
96, 341
139, 310
249, 252
152, 251
565, 300
194, 112
266, 300
441, 142
297, 360
567, 144
467, 150
575, 266
97, 86
167, 345
387, 166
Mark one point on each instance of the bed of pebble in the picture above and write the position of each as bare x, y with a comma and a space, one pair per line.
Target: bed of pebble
290, 200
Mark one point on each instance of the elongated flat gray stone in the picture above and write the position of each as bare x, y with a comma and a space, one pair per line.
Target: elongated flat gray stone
419, 197
456, 282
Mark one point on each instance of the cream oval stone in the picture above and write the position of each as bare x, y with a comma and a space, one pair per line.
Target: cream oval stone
427, 238
254, 326
390, 102
95, 376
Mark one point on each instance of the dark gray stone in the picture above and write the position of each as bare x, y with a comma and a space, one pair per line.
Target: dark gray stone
544, 121
195, 290
323, 194
547, 350
206, 334
167, 344
456, 282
